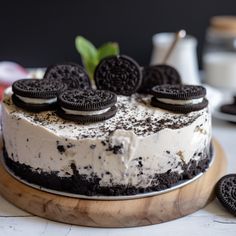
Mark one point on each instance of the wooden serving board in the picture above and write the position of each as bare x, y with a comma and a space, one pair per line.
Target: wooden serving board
116, 213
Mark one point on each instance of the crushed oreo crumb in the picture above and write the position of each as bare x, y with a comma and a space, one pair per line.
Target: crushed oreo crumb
93, 146
80, 184
61, 149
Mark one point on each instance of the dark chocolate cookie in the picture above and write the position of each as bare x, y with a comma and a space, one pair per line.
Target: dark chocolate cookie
229, 108
179, 98
35, 94
73, 75
179, 92
87, 105
119, 74
158, 75
226, 192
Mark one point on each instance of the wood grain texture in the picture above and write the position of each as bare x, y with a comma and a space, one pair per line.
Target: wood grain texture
124, 213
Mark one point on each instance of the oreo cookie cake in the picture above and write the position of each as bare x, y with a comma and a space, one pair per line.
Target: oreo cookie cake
110, 141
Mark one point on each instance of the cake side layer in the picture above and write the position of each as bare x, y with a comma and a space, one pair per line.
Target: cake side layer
80, 184
123, 157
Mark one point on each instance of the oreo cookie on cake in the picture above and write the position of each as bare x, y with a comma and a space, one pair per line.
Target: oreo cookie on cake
72, 74
119, 74
179, 98
158, 75
36, 95
85, 106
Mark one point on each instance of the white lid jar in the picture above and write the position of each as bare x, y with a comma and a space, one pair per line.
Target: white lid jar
219, 58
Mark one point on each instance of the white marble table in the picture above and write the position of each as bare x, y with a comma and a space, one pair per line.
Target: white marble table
212, 220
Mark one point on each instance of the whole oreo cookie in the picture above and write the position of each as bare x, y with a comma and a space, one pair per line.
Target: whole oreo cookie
85, 106
226, 192
73, 75
179, 98
158, 75
35, 94
119, 74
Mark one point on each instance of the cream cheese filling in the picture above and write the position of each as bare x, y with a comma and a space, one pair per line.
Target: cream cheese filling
37, 100
180, 102
84, 113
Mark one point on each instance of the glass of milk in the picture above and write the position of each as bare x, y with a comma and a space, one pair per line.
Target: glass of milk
219, 58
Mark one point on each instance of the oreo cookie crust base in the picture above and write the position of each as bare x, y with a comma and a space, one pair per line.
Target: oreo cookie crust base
140, 149
80, 184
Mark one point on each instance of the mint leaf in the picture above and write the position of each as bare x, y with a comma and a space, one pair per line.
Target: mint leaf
91, 56
86, 49
90, 68
88, 54
108, 49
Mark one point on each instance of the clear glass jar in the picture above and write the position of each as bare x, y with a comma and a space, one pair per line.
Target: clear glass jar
219, 58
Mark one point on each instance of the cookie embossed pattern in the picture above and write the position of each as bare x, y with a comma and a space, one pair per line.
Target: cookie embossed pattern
138, 148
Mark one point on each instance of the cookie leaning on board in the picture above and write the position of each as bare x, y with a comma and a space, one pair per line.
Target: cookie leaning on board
226, 192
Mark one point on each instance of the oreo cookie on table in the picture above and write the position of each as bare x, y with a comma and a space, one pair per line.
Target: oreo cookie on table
36, 94
119, 74
226, 192
229, 108
158, 75
179, 98
73, 75
85, 106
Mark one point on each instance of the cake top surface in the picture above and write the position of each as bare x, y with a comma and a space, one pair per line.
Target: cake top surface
134, 114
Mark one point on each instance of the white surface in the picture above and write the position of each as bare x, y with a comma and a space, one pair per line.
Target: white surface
212, 220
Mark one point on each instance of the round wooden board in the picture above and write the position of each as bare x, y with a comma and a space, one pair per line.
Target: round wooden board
122, 213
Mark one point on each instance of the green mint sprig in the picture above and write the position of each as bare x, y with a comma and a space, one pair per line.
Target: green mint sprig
91, 55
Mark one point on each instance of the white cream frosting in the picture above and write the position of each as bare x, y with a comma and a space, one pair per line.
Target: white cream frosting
84, 113
32, 139
180, 102
37, 100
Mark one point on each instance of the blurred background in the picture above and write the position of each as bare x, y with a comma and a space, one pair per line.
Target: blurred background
38, 33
